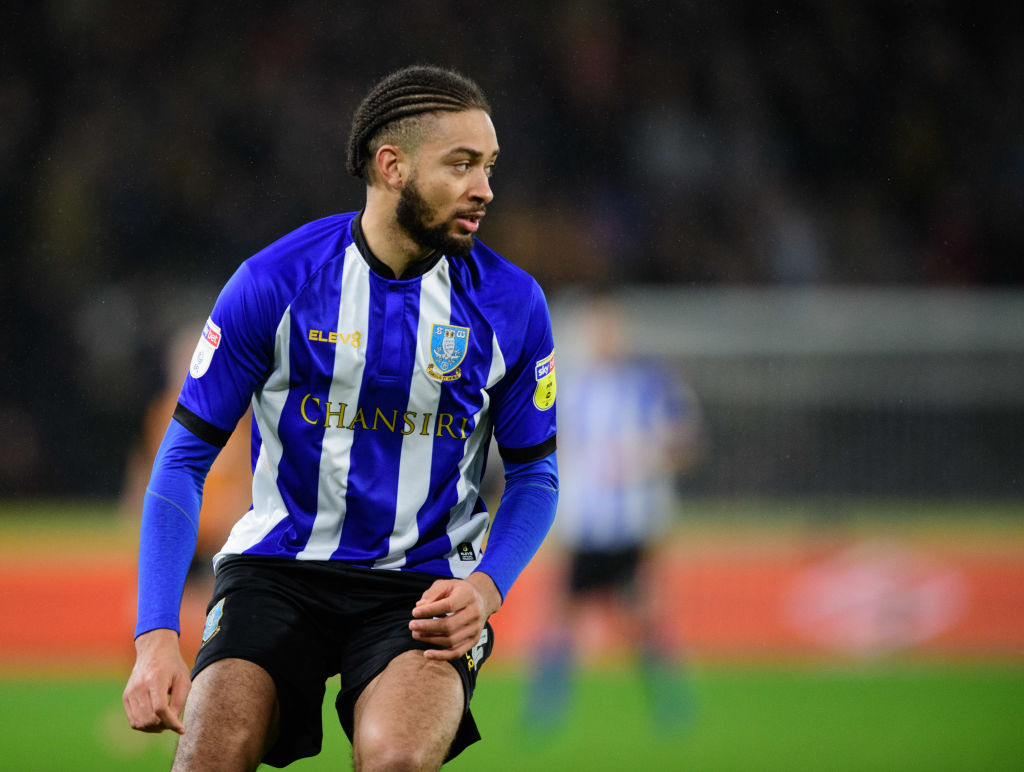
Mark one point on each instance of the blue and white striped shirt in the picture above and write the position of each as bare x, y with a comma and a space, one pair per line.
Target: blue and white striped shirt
374, 398
618, 440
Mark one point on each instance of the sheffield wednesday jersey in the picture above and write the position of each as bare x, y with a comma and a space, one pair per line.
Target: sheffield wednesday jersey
374, 398
618, 434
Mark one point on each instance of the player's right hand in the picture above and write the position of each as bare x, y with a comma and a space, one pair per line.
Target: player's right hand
155, 695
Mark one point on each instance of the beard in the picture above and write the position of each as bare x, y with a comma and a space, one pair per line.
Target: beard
413, 213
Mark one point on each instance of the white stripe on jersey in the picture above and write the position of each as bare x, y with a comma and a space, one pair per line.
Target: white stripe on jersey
349, 364
268, 506
416, 456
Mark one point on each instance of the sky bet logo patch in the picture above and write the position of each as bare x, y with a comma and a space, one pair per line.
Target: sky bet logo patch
544, 372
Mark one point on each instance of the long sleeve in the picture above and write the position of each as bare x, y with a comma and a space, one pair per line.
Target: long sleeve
523, 519
170, 521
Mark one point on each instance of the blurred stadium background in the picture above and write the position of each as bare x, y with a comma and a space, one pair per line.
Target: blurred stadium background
815, 213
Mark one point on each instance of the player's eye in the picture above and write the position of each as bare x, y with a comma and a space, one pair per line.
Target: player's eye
462, 166
489, 170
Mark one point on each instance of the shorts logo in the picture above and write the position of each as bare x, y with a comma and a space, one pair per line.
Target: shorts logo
209, 342
474, 656
544, 373
448, 346
212, 626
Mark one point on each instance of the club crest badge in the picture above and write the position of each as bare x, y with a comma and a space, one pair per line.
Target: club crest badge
448, 346
544, 374
208, 344
212, 626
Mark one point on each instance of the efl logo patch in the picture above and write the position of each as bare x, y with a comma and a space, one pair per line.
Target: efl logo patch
209, 342
544, 372
448, 345
466, 552
212, 626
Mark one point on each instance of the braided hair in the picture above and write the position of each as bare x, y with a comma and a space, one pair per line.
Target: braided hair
391, 113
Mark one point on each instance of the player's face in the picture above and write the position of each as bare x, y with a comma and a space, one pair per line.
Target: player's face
448, 190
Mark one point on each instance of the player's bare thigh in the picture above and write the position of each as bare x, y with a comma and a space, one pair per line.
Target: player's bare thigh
231, 718
406, 717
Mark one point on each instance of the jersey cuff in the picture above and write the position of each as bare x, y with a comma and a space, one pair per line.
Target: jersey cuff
200, 427
526, 455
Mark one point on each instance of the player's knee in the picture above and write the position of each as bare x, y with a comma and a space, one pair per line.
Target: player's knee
379, 749
395, 760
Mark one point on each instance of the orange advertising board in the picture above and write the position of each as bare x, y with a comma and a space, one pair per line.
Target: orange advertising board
857, 599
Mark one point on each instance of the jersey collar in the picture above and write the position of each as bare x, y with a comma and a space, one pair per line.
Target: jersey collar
378, 266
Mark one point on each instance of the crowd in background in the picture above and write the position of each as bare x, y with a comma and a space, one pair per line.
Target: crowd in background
147, 149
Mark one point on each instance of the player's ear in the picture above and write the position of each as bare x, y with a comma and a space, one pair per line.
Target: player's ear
392, 165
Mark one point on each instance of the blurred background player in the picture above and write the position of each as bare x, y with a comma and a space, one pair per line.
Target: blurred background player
628, 428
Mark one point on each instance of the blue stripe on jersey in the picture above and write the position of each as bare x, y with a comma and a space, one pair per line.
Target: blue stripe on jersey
299, 472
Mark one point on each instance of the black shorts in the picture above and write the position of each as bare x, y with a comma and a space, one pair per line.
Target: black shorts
305, 621
613, 570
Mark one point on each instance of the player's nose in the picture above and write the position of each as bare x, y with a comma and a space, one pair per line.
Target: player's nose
480, 187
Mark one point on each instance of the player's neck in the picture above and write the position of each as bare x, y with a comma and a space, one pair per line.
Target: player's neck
387, 239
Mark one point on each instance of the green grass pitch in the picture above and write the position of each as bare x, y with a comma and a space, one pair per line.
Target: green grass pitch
855, 717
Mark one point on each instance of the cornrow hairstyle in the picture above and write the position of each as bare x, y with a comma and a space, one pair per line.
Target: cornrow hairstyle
407, 93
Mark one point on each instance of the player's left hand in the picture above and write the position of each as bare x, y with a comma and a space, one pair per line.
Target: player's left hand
452, 614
